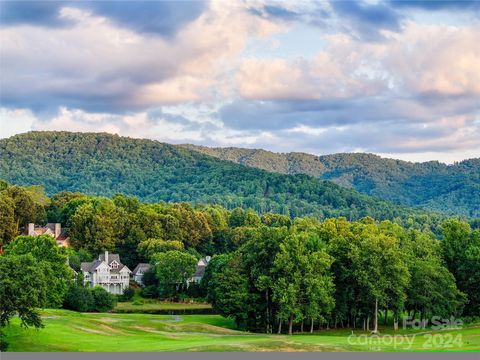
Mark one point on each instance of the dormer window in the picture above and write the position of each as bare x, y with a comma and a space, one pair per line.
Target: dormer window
114, 265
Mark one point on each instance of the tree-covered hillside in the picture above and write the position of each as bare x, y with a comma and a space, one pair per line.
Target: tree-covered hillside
453, 189
103, 164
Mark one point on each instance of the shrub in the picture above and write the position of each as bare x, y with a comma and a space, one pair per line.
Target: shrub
150, 291
194, 290
149, 277
127, 294
3, 342
79, 298
137, 302
103, 301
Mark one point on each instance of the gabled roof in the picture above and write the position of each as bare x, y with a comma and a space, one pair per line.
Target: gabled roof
141, 268
90, 266
201, 262
85, 266
63, 235
201, 265
119, 269
111, 258
125, 267
200, 271
49, 229
40, 230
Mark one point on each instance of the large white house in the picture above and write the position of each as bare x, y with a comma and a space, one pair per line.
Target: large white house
108, 272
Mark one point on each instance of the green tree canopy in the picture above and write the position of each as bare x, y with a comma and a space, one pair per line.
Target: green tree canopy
24, 289
173, 269
150, 247
53, 260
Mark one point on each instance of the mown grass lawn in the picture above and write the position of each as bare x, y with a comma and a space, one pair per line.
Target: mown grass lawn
70, 331
152, 306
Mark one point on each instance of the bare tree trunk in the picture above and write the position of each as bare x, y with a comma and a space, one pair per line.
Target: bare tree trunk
301, 326
363, 327
290, 325
395, 322
279, 326
375, 318
267, 320
311, 327
368, 323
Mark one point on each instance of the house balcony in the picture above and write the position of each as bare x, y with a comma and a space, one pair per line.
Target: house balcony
109, 280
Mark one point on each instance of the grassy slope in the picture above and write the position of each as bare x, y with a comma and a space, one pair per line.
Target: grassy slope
151, 305
70, 331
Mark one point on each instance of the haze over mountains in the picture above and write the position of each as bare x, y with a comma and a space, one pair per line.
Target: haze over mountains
453, 189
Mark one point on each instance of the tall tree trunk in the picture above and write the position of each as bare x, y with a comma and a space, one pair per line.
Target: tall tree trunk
375, 318
311, 327
395, 322
267, 320
385, 321
363, 326
290, 325
301, 326
368, 323
279, 326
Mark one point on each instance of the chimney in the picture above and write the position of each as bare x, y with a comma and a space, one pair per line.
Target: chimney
106, 256
31, 229
58, 230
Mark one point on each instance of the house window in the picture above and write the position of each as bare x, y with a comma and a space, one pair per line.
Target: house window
114, 265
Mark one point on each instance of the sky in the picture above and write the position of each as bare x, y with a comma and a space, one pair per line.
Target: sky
396, 78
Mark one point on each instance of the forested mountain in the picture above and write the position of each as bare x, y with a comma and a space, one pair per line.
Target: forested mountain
453, 189
104, 164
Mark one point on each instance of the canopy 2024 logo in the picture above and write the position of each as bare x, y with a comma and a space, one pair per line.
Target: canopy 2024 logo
429, 333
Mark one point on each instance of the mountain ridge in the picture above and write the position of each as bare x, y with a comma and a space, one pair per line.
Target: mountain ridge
456, 187
105, 164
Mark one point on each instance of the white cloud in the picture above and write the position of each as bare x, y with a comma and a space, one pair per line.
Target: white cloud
421, 59
15, 121
415, 92
436, 58
97, 60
